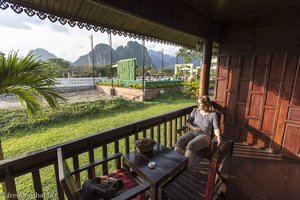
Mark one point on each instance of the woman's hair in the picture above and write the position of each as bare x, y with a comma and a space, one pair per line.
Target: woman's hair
205, 100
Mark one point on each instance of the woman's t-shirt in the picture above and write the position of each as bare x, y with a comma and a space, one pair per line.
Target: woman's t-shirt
205, 123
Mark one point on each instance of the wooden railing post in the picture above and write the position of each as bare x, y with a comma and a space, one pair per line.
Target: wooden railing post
9, 185
2, 158
11, 189
32, 164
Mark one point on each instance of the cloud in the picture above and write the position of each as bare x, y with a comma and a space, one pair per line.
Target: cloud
9, 18
57, 27
19, 31
14, 21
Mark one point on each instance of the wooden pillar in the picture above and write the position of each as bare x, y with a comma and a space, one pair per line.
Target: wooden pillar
206, 63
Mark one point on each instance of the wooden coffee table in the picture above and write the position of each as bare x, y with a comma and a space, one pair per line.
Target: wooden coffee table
168, 162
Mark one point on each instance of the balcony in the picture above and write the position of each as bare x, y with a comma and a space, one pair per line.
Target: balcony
254, 172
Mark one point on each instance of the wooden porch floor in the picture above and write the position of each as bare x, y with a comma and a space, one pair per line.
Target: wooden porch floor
257, 174
260, 175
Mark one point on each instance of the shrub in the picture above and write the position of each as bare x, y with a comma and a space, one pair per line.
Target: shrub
191, 89
16, 119
138, 84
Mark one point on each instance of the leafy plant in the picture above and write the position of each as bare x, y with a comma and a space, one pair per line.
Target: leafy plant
29, 79
191, 89
139, 85
145, 142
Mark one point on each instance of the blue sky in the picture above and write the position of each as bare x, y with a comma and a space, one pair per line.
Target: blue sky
23, 33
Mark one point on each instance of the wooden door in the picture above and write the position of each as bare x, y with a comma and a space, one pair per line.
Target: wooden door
291, 139
251, 86
264, 98
244, 86
255, 99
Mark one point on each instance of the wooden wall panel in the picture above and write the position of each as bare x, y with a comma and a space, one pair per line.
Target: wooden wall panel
223, 73
235, 48
232, 79
227, 81
231, 130
273, 44
263, 91
294, 114
296, 92
291, 66
234, 62
246, 67
221, 88
261, 60
237, 38
221, 81
255, 106
268, 121
277, 66
222, 63
273, 93
292, 139
241, 114
291, 142
228, 119
230, 102
253, 123
243, 91
255, 98
258, 81
254, 86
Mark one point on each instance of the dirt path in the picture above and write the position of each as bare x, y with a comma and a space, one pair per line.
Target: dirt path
87, 95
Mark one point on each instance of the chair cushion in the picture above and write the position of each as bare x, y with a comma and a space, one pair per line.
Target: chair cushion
126, 177
96, 189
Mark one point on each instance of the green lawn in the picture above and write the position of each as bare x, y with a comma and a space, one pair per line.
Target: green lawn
20, 142
25, 141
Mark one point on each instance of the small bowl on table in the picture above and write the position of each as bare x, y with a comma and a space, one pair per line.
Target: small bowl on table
144, 146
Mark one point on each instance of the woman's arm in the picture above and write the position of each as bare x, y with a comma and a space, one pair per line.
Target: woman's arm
218, 135
191, 119
193, 128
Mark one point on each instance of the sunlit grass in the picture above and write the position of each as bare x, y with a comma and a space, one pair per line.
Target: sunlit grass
21, 142
45, 136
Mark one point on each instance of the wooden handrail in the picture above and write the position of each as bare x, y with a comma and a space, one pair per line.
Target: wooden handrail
30, 162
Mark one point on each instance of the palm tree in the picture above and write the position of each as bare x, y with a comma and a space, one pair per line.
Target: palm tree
29, 79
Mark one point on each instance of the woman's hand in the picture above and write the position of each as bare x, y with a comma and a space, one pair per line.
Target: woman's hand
197, 129
193, 128
218, 141
218, 135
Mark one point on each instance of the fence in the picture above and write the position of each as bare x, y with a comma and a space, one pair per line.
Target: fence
99, 145
71, 82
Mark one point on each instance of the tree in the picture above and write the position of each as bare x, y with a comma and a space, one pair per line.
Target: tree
106, 71
139, 70
29, 79
168, 72
188, 55
60, 66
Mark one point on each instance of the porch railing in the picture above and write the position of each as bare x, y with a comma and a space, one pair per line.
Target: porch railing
100, 145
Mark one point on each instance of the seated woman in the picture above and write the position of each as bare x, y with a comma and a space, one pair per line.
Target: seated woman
200, 121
